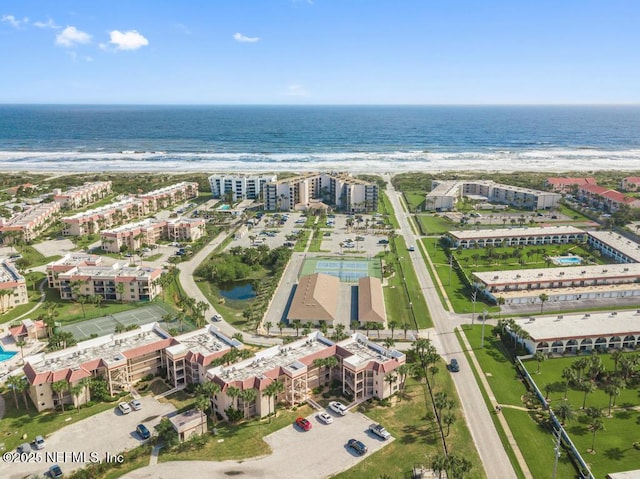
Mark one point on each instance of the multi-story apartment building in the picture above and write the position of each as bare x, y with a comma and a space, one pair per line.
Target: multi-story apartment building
123, 359
29, 223
13, 287
340, 190
516, 237
86, 194
108, 216
444, 195
95, 220
606, 199
75, 276
630, 183
363, 367
567, 185
241, 187
169, 195
148, 232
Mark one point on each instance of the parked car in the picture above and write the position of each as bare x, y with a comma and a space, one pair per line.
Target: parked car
143, 431
25, 447
55, 472
136, 405
124, 408
303, 423
324, 418
379, 431
454, 367
383, 241
357, 446
338, 407
39, 442
216, 317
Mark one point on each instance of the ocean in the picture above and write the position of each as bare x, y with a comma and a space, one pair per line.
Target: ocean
58, 138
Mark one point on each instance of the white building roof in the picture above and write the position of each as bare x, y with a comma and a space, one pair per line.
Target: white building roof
619, 243
581, 325
516, 232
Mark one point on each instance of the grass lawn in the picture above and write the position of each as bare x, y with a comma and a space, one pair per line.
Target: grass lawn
434, 224
508, 390
415, 199
17, 422
240, 441
386, 209
301, 242
416, 438
614, 445
403, 288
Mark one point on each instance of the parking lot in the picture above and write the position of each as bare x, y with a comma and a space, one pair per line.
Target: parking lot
107, 432
320, 452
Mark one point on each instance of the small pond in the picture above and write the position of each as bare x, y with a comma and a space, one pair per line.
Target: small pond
238, 290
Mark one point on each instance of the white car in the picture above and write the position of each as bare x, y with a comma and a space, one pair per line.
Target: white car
338, 407
216, 317
39, 442
324, 418
136, 405
124, 408
379, 431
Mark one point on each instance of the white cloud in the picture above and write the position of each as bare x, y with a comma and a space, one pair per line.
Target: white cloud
296, 90
130, 40
13, 21
239, 37
48, 24
71, 36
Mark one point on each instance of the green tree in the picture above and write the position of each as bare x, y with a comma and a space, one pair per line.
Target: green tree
59, 387
272, 391
543, 299
267, 326
393, 324
595, 425
587, 387
13, 382
76, 390
167, 435
297, 324
564, 412
539, 358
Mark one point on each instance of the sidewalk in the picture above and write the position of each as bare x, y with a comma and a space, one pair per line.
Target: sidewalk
503, 422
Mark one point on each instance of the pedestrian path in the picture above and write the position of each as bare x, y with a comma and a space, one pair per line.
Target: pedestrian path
494, 404
155, 452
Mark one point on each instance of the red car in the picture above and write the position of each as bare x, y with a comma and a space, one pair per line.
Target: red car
303, 424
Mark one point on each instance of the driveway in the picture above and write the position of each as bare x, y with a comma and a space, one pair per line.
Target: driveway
107, 432
320, 452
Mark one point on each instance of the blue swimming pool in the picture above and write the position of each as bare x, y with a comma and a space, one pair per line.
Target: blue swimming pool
223, 208
567, 260
5, 355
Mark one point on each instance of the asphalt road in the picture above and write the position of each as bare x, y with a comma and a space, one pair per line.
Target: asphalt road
494, 458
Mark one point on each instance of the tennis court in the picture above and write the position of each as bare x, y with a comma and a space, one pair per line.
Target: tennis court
348, 270
107, 324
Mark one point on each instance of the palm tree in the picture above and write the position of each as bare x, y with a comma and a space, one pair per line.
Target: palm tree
612, 391
393, 324
616, 355
202, 403
354, 325
586, 387
272, 391
267, 326
14, 383
248, 396
391, 379
388, 343
297, 324
21, 343
439, 464
539, 358
59, 387
76, 389
543, 299
569, 375
233, 393
595, 425
448, 419
564, 412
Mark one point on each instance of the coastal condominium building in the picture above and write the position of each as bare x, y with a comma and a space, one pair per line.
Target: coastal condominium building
119, 282
13, 287
97, 219
516, 237
567, 185
169, 195
86, 194
630, 183
444, 195
113, 214
605, 199
147, 232
241, 187
340, 190
362, 369
28, 224
67, 263
120, 359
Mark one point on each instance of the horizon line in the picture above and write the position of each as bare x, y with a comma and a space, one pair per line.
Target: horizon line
327, 104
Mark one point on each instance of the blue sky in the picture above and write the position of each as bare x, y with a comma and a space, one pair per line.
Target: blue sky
320, 51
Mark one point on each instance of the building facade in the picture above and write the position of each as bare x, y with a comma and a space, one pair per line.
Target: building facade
444, 195
28, 224
148, 232
241, 187
516, 237
340, 190
13, 287
86, 194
